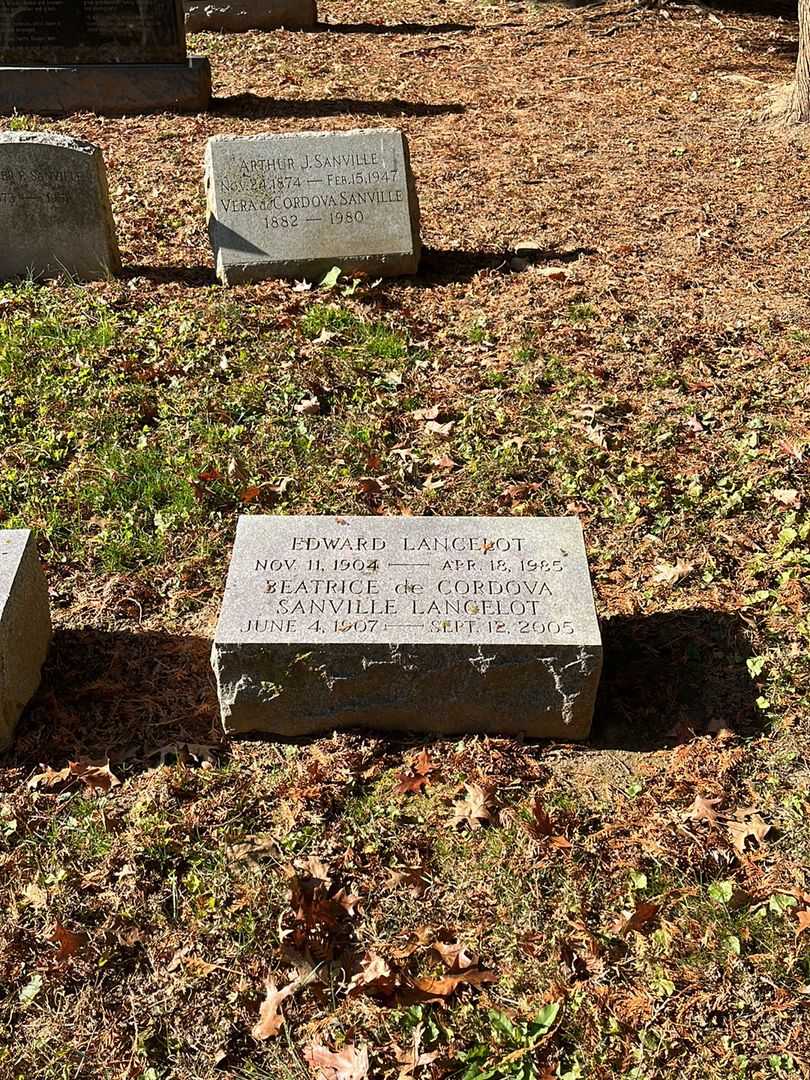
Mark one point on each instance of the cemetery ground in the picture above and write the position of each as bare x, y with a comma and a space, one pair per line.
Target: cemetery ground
179, 905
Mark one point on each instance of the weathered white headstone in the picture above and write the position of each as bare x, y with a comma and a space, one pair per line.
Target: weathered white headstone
55, 215
297, 205
233, 16
426, 624
25, 626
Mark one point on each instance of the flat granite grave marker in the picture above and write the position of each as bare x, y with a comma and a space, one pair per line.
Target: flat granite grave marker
25, 626
297, 205
102, 56
55, 215
423, 624
241, 15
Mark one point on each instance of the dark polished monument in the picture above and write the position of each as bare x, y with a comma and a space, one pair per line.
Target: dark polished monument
102, 56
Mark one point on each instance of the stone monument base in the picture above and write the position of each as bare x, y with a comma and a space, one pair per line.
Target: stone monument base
107, 89
235, 16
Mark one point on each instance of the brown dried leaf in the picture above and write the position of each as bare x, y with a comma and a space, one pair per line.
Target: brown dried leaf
374, 977
473, 809
270, 1016
752, 828
672, 573
350, 1063
702, 810
643, 913
426, 414
437, 989
803, 918
96, 775
69, 943
412, 877
308, 406
454, 956
49, 777
787, 497
442, 430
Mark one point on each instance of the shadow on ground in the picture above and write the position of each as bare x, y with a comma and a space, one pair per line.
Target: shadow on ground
670, 676
126, 695
250, 106
394, 28
118, 694
439, 266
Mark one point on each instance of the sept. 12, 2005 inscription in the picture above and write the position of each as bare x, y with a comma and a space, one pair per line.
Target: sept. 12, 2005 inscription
446, 623
297, 205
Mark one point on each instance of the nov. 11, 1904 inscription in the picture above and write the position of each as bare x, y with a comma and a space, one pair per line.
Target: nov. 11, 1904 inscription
297, 205
441, 624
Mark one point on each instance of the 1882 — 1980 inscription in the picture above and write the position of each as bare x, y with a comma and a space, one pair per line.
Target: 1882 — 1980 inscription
297, 205
439, 624
58, 32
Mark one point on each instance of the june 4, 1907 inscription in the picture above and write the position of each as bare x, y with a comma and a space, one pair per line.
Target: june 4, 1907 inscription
444, 624
64, 32
296, 205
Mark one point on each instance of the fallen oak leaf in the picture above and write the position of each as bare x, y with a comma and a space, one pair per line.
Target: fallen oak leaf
427, 989
454, 956
642, 914
787, 497
412, 877
96, 775
473, 809
69, 942
443, 430
702, 810
671, 574
542, 828
753, 828
375, 977
49, 777
270, 1016
350, 1063
803, 918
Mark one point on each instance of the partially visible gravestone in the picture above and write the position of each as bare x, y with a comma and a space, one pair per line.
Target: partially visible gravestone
103, 56
240, 15
55, 215
426, 624
297, 205
25, 626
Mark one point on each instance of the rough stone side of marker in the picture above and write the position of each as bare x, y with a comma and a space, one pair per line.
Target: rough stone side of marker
25, 627
443, 689
55, 215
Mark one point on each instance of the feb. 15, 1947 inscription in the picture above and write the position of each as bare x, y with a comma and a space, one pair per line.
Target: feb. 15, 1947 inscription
444, 624
297, 205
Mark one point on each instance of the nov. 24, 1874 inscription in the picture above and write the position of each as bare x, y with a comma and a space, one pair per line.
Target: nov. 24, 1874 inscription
297, 205
432, 624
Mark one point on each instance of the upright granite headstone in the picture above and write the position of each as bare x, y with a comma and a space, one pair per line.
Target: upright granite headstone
233, 16
425, 624
25, 626
103, 56
297, 205
55, 215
